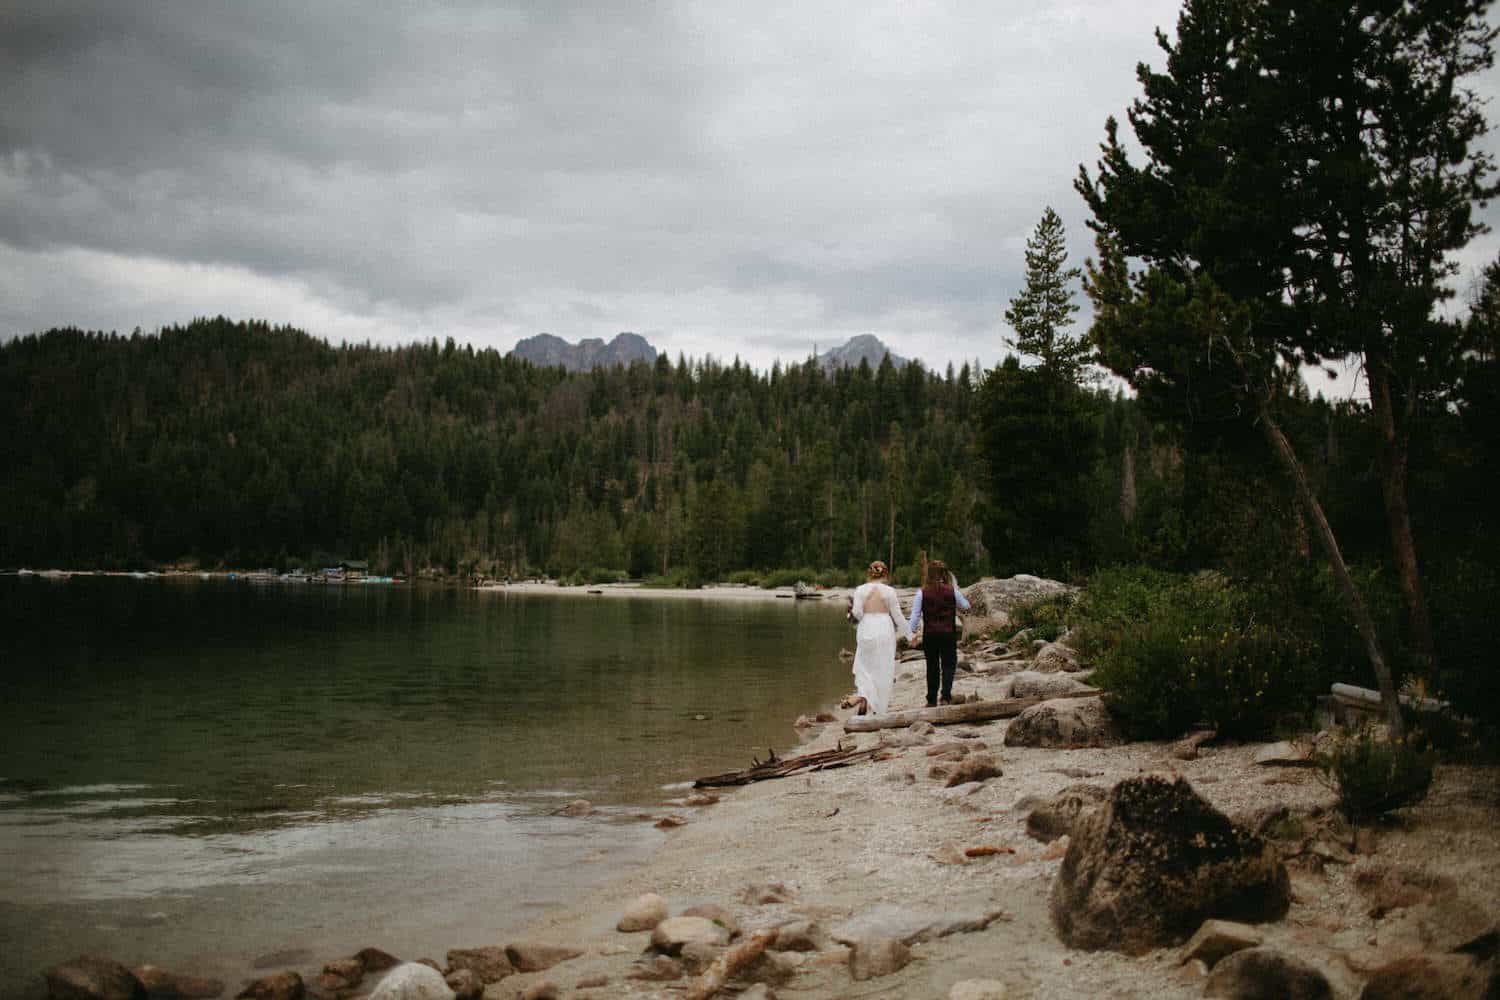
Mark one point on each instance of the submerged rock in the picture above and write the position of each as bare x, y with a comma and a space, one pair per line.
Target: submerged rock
412, 981
278, 986
93, 977
527, 957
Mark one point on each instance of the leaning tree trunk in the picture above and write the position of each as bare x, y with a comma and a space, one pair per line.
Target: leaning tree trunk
1362, 620
1394, 450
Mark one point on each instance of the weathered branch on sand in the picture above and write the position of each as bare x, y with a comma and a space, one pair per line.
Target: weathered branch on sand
727, 965
776, 767
947, 715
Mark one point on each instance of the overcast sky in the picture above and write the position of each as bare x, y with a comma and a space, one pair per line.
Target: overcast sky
732, 178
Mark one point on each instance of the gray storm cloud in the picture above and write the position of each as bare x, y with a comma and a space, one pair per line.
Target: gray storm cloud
727, 178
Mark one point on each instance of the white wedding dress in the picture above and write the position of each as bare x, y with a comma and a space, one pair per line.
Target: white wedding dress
875, 647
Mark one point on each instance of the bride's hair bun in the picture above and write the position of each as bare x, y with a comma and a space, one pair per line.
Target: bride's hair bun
877, 568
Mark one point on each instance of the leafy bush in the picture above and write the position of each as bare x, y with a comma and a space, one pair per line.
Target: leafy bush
1047, 617
681, 578
788, 577
1374, 776
745, 578
1173, 651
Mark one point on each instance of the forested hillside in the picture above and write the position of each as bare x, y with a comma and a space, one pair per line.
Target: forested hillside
240, 444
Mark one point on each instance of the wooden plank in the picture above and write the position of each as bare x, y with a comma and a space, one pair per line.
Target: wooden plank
947, 715
1361, 697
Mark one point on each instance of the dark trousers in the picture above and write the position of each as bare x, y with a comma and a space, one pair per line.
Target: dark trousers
940, 648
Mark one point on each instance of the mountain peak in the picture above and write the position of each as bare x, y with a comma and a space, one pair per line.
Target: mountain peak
545, 351
864, 347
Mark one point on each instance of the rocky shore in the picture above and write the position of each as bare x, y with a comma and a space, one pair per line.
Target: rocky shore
1028, 857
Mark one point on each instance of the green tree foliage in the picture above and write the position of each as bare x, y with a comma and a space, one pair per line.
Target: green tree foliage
1044, 309
247, 445
1039, 426
1306, 172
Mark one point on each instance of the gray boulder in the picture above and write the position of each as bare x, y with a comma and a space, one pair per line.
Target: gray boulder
644, 913
1056, 657
1154, 861
412, 981
1266, 974
872, 958
1055, 817
1035, 684
93, 977
1076, 722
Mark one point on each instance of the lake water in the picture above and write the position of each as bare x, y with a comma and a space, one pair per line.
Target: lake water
199, 773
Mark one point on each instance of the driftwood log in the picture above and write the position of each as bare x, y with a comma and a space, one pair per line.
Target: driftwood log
727, 965
777, 767
947, 715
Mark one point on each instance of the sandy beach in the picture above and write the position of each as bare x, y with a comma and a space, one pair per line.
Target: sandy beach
719, 592
887, 836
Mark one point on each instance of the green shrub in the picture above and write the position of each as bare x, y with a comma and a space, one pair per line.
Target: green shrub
787, 577
1047, 617
679, 579
1374, 776
1172, 651
841, 578
745, 578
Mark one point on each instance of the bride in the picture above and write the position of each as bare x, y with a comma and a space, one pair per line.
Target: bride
877, 609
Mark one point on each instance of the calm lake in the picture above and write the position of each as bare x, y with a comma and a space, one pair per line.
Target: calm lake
199, 773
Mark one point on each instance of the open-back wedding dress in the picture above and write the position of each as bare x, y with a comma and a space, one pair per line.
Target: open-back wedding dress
878, 611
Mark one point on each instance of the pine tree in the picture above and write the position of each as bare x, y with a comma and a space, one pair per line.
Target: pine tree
1043, 310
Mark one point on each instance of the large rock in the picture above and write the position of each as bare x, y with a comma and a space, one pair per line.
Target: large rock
872, 958
1035, 684
1075, 722
1055, 817
341, 975
990, 600
1056, 657
1147, 867
375, 960
528, 957
164, 985
1266, 974
489, 963
646, 912
1433, 977
93, 977
412, 981
800, 935
277, 986
672, 934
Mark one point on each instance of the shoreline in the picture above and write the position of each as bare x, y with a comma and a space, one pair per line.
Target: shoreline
886, 834
720, 592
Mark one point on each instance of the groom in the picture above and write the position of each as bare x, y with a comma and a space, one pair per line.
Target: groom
937, 606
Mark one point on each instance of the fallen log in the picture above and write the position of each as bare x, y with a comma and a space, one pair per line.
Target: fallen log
776, 767
947, 715
731, 962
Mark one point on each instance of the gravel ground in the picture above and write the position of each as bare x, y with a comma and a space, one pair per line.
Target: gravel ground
844, 840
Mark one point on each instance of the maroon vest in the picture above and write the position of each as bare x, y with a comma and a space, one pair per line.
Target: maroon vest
939, 609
